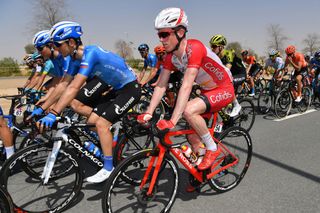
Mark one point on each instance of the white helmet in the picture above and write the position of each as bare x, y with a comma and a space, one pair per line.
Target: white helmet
171, 18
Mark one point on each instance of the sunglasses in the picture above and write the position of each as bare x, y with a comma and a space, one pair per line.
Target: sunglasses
59, 43
164, 34
290, 54
41, 48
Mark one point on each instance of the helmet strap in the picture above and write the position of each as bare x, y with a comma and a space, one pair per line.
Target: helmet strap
179, 39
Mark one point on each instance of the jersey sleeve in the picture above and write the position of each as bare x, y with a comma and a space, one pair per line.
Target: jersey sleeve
196, 51
153, 61
47, 67
88, 61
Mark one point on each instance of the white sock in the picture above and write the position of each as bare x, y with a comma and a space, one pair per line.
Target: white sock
9, 151
235, 102
208, 141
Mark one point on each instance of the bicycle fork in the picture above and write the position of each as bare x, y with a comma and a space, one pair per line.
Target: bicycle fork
156, 170
52, 158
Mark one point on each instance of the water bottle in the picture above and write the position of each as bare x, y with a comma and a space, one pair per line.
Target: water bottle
190, 155
92, 148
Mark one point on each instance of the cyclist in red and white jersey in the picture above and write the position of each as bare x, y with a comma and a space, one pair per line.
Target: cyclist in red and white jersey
198, 64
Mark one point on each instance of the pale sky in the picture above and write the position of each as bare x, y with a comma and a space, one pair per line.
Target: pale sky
106, 21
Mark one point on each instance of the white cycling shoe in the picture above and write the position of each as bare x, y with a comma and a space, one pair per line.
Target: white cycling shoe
298, 99
101, 176
235, 111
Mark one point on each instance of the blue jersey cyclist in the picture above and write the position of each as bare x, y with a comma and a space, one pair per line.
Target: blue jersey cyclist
56, 65
98, 69
150, 60
315, 72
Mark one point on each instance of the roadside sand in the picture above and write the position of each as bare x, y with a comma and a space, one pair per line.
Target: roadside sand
8, 86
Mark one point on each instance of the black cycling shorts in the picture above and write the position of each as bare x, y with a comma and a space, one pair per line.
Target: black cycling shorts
114, 104
254, 70
303, 71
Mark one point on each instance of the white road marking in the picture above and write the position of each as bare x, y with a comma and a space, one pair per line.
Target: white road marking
296, 115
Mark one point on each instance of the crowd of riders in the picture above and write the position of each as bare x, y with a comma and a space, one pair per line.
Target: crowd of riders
101, 86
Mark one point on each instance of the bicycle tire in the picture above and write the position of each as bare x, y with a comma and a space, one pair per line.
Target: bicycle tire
304, 104
136, 198
27, 192
265, 101
283, 103
127, 145
231, 177
6, 204
246, 116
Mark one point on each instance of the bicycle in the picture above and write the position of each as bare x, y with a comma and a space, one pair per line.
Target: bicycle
285, 98
151, 189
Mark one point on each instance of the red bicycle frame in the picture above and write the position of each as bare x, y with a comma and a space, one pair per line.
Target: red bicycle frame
183, 160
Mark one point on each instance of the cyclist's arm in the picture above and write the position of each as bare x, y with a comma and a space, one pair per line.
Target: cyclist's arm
184, 93
151, 75
58, 91
34, 80
40, 80
70, 93
159, 90
141, 75
297, 67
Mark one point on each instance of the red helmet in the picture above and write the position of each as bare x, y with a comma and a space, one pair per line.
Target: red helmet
159, 49
290, 49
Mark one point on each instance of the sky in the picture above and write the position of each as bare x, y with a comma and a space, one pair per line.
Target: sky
104, 22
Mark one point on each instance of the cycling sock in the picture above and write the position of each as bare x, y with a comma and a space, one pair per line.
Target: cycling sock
107, 162
235, 102
208, 141
9, 151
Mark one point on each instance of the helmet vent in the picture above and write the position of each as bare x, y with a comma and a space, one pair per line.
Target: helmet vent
172, 21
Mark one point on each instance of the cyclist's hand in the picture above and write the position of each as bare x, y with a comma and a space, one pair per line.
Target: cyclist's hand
47, 121
165, 124
144, 118
35, 112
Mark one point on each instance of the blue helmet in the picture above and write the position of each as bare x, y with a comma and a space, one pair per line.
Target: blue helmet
64, 30
317, 55
143, 47
41, 38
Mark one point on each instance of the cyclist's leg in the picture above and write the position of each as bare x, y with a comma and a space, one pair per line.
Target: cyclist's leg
299, 86
109, 112
210, 101
6, 136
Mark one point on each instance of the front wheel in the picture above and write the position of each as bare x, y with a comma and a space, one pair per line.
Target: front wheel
123, 196
265, 101
30, 193
283, 103
237, 146
6, 205
306, 99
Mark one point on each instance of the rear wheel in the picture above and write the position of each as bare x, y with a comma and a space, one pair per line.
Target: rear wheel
237, 140
306, 99
6, 205
264, 101
246, 117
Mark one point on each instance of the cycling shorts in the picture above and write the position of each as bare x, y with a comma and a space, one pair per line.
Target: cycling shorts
217, 98
238, 80
1, 112
115, 103
254, 70
303, 71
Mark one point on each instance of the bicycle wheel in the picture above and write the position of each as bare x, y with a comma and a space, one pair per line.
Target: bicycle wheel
29, 193
306, 99
128, 145
246, 116
121, 196
238, 141
6, 205
264, 101
283, 103
258, 88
